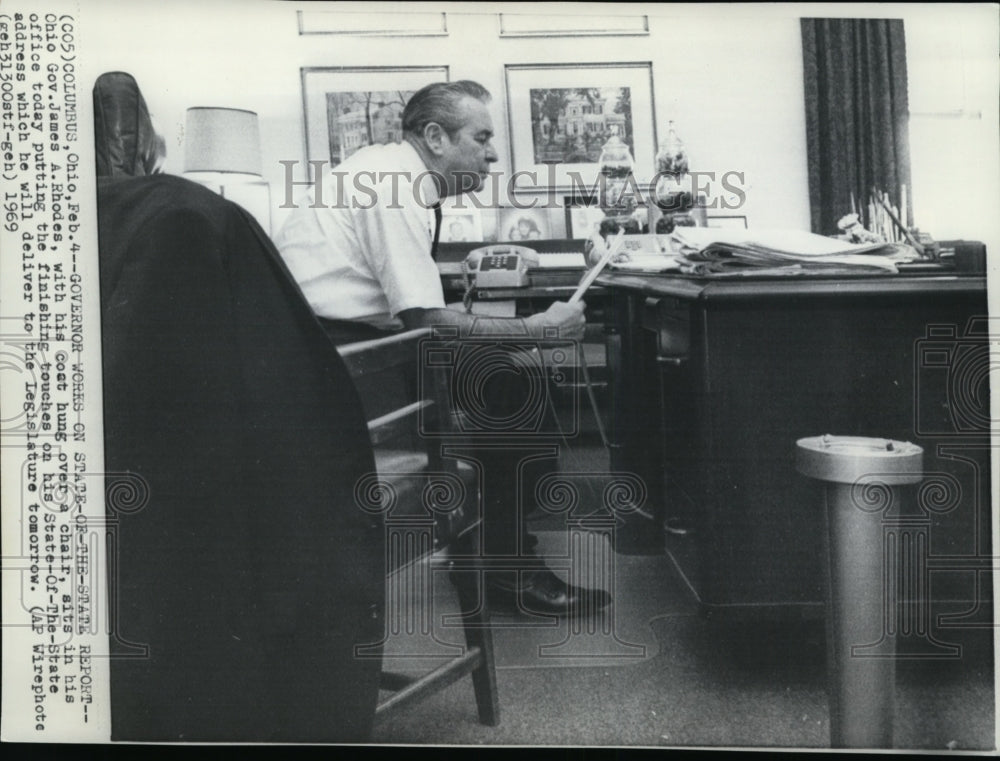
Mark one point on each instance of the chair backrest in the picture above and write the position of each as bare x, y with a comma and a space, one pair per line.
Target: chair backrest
410, 420
125, 141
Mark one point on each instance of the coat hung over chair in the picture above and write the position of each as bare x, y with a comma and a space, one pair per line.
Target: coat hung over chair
242, 572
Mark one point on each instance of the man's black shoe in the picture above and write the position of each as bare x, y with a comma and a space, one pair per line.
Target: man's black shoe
541, 591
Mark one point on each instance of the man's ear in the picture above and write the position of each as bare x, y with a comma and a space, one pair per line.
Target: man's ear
435, 137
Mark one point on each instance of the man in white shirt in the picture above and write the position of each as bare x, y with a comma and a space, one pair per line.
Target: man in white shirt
361, 249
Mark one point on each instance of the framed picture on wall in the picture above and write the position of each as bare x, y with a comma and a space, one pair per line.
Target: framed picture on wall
347, 108
562, 114
394, 23
517, 225
537, 24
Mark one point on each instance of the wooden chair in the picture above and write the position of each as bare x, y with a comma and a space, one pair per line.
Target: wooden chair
430, 506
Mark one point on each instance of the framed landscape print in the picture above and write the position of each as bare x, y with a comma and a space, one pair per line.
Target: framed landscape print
562, 114
348, 108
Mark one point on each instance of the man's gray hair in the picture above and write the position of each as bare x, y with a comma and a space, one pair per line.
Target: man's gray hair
438, 103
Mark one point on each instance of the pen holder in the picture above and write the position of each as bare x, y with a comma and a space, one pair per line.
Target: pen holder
932, 249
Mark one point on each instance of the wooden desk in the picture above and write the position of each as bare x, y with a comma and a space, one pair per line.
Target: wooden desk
530, 298
715, 380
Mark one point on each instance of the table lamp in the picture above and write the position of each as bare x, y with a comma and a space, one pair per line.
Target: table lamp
222, 152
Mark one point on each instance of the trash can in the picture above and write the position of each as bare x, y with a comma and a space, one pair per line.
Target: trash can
861, 479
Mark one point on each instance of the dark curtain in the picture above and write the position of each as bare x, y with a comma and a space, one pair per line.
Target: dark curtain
857, 115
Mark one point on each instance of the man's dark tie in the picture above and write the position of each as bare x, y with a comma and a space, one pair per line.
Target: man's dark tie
437, 230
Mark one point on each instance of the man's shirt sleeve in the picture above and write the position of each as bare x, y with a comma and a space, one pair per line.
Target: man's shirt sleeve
395, 235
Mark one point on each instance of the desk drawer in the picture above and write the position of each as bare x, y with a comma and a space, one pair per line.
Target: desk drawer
670, 320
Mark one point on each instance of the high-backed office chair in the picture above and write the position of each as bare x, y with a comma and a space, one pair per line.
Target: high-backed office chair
429, 504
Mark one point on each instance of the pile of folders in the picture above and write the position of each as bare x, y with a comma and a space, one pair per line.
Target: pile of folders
713, 251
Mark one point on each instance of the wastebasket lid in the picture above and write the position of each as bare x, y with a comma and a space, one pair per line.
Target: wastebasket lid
854, 459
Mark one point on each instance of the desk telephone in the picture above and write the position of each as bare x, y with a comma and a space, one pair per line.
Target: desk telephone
499, 266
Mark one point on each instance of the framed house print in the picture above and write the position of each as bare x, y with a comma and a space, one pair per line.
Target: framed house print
562, 114
347, 108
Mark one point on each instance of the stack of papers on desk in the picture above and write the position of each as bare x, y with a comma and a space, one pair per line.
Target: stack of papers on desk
705, 251
647, 263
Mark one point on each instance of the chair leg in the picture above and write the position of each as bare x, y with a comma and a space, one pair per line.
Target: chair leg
479, 633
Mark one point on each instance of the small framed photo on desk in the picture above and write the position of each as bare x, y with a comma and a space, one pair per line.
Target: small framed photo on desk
583, 216
461, 225
515, 224
734, 222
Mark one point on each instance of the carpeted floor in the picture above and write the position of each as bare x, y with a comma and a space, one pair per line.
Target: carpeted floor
619, 635
652, 671
701, 683
670, 677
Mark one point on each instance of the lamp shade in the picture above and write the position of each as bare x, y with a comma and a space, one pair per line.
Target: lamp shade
222, 140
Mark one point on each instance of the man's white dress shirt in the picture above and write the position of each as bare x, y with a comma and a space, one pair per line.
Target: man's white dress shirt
364, 253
